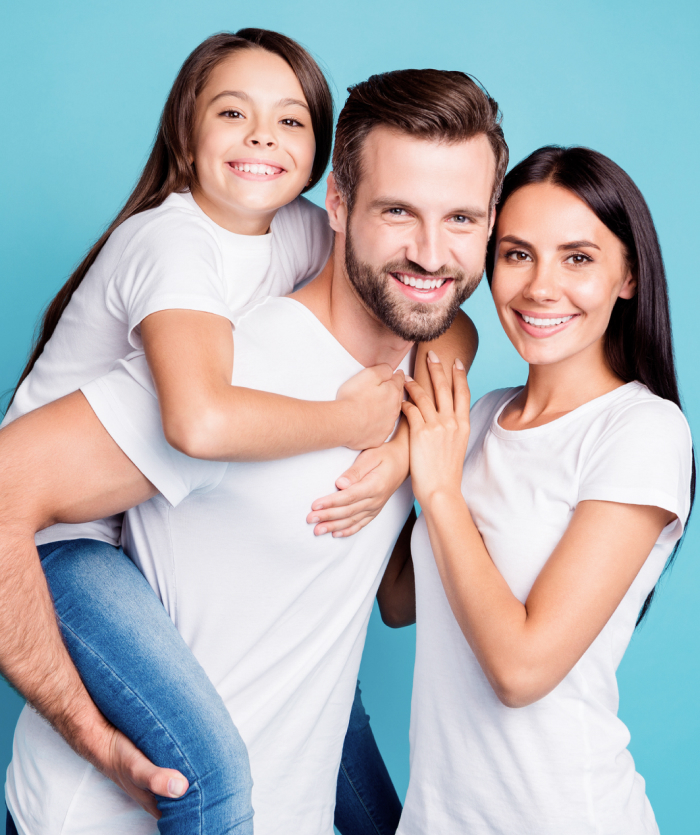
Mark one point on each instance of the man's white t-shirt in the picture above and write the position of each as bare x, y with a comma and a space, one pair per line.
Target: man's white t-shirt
170, 257
276, 616
559, 766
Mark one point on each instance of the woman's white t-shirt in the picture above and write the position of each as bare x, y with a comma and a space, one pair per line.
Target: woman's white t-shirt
559, 766
170, 257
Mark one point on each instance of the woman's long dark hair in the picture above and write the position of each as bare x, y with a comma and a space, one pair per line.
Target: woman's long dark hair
638, 343
168, 168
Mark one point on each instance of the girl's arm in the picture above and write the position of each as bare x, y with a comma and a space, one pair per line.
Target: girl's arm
525, 650
377, 473
190, 355
396, 594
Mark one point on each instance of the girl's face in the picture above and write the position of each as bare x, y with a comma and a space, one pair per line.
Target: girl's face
557, 275
253, 145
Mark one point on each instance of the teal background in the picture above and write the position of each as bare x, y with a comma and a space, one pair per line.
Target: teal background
83, 85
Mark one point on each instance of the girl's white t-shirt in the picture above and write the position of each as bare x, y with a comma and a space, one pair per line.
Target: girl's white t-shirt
170, 257
560, 765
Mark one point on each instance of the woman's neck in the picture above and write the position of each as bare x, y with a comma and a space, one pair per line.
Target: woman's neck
554, 389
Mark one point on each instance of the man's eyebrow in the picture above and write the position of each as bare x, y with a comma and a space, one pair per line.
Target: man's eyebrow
382, 203
239, 94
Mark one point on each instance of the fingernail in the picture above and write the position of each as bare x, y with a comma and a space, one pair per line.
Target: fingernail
176, 788
314, 519
343, 482
433, 357
459, 364
408, 379
321, 531
336, 534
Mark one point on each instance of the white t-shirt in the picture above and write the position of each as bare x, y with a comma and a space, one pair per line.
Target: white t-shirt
276, 616
559, 766
170, 257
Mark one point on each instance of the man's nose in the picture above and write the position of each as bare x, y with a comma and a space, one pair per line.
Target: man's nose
428, 248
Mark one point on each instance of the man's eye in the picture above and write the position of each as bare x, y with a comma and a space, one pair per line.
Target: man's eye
396, 212
462, 219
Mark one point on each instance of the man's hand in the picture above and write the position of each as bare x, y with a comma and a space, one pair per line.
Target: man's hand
60, 465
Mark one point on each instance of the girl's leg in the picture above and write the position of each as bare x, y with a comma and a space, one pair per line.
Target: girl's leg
366, 800
146, 681
10, 828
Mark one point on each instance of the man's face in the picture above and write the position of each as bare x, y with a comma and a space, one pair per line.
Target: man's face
416, 238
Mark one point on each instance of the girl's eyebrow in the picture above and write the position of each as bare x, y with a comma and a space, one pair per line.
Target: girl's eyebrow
239, 94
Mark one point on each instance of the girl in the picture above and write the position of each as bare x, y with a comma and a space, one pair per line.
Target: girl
534, 558
246, 128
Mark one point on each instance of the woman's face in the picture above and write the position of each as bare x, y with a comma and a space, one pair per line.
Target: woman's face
557, 275
253, 145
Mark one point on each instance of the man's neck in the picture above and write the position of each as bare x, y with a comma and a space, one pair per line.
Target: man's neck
335, 303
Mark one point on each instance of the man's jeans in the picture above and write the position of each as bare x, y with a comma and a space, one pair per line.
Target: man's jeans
146, 681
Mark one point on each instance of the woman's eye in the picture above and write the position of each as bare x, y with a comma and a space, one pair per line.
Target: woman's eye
578, 258
517, 255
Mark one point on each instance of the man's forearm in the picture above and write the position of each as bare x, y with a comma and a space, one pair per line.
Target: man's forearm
34, 658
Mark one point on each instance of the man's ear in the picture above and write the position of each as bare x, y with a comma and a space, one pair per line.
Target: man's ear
492, 221
629, 288
335, 206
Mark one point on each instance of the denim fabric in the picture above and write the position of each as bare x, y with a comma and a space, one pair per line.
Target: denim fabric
366, 800
146, 681
10, 828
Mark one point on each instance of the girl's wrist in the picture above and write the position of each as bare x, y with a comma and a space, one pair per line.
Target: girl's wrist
440, 500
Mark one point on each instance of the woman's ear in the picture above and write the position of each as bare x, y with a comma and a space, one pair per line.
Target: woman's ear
335, 206
629, 287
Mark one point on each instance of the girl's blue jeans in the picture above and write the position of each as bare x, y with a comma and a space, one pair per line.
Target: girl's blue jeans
145, 680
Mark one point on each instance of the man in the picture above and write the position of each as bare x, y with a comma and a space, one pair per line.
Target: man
418, 161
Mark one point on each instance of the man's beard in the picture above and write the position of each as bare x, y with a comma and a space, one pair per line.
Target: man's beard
412, 321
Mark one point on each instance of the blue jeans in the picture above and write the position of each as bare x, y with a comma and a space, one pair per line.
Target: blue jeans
146, 681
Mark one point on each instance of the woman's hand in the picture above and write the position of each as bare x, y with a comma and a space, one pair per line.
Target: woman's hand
363, 490
438, 434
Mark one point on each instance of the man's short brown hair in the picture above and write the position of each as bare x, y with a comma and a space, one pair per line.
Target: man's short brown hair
447, 106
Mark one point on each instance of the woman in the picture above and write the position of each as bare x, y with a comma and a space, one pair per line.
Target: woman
535, 557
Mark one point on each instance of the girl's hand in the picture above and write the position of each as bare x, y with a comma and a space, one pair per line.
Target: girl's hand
438, 434
373, 401
363, 490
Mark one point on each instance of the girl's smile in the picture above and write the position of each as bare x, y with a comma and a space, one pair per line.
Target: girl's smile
253, 146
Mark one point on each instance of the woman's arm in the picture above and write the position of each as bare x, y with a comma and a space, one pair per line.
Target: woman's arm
525, 649
190, 355
396, 594
60, 465
377, 473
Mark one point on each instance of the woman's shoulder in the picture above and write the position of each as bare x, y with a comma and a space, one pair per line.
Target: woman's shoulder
636, 409
486, 407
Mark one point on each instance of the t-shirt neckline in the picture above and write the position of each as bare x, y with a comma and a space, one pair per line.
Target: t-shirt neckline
253, 242
557, 423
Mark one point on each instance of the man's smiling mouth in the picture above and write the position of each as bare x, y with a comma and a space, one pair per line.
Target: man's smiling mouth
420, 283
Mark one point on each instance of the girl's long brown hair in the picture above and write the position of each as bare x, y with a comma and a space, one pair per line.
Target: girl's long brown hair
168, 168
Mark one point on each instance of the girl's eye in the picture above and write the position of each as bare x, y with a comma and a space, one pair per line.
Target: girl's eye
291, 123
578, 258
517, 255
232, 114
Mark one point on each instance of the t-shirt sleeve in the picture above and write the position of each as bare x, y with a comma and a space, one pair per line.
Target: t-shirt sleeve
319, 240
125, 402
173, 262
642, 455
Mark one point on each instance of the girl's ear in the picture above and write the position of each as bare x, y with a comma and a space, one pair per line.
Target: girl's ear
629, 287
335, 206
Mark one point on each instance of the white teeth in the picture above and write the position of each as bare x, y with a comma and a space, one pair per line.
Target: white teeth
255, 168
546, 323
420, 283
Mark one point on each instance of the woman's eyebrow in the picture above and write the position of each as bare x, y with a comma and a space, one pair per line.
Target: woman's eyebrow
511, 239
578, 245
